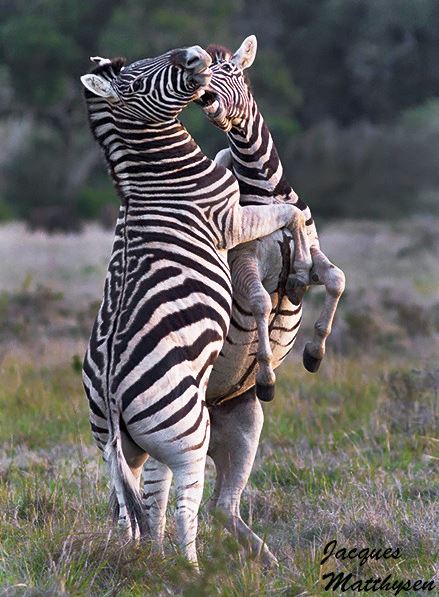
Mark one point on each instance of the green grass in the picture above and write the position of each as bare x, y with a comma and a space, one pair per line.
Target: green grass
41, 407
349, 454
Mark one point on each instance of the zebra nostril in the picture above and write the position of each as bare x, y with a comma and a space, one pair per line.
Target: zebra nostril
192, 62
196, 58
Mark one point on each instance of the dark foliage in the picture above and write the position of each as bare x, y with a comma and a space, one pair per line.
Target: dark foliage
360, 66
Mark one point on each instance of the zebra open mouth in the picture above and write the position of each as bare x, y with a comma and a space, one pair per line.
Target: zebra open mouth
209, 103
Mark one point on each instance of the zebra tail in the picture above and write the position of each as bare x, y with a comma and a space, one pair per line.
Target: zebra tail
125, 499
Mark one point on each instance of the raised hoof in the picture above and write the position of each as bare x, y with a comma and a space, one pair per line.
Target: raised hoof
295, 290
265, 393
310, 363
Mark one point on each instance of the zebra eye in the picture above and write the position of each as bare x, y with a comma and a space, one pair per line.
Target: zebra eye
136, 85
228, 68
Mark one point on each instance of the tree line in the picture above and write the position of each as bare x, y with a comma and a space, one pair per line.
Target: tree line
348, 87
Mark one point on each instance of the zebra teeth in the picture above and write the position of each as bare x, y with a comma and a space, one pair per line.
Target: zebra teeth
206, 98
212, 108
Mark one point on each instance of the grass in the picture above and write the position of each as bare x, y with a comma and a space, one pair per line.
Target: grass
41, 406
349, 454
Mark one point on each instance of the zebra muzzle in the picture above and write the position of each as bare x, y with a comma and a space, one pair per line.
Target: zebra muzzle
202, 77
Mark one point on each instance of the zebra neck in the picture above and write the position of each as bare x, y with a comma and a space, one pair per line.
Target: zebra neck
145, 160
256, 162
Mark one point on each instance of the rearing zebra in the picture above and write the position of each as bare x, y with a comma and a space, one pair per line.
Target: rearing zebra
167, 297
253, 158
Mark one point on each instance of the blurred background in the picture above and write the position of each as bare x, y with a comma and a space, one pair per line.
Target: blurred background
349, 89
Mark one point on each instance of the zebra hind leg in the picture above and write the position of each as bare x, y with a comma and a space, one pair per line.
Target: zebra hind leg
260, 304
247, 284
187, 464
157, 479
235, 429
189, 480
332, 277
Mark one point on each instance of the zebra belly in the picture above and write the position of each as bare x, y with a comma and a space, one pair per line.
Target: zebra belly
236, 367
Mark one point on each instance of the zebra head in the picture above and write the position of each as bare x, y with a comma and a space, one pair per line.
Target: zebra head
227, 100
151, 90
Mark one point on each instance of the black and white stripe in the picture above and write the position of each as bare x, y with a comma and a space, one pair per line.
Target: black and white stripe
253, 158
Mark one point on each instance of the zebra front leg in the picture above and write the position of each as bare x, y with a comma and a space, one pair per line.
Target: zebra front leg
236, 427
261, 220
157, 479
333, 279
297, 282
247, 283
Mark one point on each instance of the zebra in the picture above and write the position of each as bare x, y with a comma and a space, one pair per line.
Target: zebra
253, 158
167, 298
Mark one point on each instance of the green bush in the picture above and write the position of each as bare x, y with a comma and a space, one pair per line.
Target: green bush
376, 171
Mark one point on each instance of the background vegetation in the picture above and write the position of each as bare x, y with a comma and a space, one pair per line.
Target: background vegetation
349, 89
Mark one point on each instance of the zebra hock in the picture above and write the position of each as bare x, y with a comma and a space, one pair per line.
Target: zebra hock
253, 158
167, 296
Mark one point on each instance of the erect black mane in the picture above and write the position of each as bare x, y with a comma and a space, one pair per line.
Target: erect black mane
112, 69
218, 52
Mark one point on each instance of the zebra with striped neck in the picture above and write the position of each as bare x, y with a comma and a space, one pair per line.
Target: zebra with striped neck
167, 297
253, 158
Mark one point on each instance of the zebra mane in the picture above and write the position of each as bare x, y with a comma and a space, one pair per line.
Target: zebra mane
108, 69
219, 53
111, 68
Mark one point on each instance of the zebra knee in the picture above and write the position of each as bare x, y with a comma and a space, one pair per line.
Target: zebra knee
337, 282
260, 304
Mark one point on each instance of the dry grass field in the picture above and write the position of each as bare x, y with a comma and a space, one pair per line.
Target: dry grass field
348, 454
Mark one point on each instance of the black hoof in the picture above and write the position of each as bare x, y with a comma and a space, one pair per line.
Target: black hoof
310, 363
265, 393
295, 290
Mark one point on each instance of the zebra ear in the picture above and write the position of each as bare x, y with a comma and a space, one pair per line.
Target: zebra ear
99, 60
99, 86
245, 55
